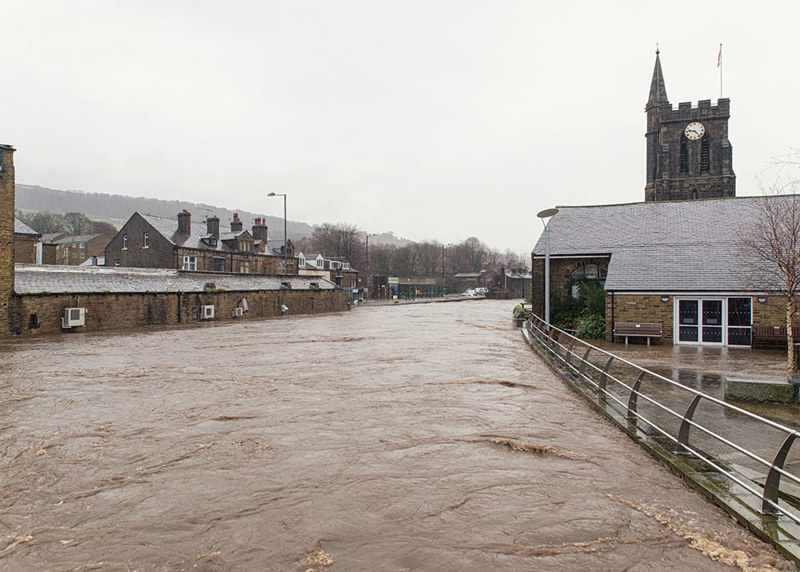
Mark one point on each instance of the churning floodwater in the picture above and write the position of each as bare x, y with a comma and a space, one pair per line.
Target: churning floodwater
408, 437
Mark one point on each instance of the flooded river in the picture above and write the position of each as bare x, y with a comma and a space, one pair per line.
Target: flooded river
413, 437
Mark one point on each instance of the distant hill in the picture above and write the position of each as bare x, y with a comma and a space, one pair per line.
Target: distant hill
117, 209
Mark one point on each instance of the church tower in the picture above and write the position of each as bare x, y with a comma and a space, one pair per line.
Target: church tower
688, 152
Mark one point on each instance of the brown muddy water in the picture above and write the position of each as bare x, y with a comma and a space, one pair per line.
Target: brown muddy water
413, 437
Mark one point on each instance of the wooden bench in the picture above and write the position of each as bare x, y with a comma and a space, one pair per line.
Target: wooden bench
766, 337
634, 329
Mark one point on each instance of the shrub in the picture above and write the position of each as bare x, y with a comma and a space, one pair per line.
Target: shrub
592, 326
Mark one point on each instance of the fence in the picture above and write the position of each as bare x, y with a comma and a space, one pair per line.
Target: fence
740, 454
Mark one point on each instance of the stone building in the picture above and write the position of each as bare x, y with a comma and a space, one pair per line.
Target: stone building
659, 263
147, 241
6, 236
672, 259
689, 155
72, 250
36, 299
25, 241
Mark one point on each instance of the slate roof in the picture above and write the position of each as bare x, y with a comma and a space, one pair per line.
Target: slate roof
658, 246
22, 228
168, 228
51, 237
33, 279
75, 239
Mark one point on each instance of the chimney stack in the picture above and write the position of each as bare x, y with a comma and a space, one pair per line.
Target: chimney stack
185, 222
260, 230
212, 224
236, 224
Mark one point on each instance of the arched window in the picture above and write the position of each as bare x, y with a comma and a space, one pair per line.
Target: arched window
588, 272
684, 156
704, 154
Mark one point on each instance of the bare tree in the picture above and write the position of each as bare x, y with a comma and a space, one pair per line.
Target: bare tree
771, 249
105, 228
340, 240
77, 223
42, 222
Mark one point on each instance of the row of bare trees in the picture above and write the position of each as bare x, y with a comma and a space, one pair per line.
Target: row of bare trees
427, 258
72, 223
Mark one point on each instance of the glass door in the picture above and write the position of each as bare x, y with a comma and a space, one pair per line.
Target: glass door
712, 321
701, 321
740, 321
688, 330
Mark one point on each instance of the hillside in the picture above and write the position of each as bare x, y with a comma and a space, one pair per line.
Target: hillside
118, 208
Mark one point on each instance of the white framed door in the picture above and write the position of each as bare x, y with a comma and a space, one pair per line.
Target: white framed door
713, 321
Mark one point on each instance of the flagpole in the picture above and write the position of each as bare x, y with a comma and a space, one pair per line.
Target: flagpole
719, 65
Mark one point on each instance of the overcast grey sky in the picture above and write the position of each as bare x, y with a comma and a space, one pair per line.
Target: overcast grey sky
433, 119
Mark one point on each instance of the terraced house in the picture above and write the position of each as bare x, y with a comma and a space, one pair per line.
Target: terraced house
147, 241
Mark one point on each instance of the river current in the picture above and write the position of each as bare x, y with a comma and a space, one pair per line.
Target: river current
406, 437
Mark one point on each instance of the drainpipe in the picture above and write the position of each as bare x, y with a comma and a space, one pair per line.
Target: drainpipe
612, 316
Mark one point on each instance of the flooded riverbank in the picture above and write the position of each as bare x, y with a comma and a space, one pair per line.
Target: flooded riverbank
418, 437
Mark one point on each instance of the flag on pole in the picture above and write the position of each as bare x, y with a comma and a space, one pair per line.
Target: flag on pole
719, 56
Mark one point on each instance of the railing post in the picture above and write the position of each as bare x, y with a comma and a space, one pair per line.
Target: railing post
772, 486
601, 386
683, 433
569, 352
633, 400
584, 361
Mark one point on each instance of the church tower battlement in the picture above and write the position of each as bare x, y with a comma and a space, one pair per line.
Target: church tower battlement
689, 155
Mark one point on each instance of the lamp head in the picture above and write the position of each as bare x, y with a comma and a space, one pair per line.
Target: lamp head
547, 213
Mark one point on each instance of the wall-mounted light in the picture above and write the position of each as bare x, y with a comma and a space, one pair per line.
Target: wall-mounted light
665, 298
761, 299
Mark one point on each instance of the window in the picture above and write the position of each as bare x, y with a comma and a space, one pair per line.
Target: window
116, 262
124, 242
684, 156
146, 240
190, 262
218, 264
244, 267
590, 272
704, 154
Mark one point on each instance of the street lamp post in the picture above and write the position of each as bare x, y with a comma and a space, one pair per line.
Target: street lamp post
546, 214
285, 239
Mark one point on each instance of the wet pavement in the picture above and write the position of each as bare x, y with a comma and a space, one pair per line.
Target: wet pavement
403, 437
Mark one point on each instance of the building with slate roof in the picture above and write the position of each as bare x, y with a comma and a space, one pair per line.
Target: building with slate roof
37, 298
673, 259
72, 250
147, 241
674, 263
25, 239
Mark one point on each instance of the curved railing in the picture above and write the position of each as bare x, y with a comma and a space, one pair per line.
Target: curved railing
748, 450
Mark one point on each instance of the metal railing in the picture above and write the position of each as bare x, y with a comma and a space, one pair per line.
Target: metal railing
738, 448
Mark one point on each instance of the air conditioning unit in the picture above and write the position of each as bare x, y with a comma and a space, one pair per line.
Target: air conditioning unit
238, 312
73, 317
207, 312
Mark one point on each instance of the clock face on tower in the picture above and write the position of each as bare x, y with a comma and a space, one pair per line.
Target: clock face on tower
695, 130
